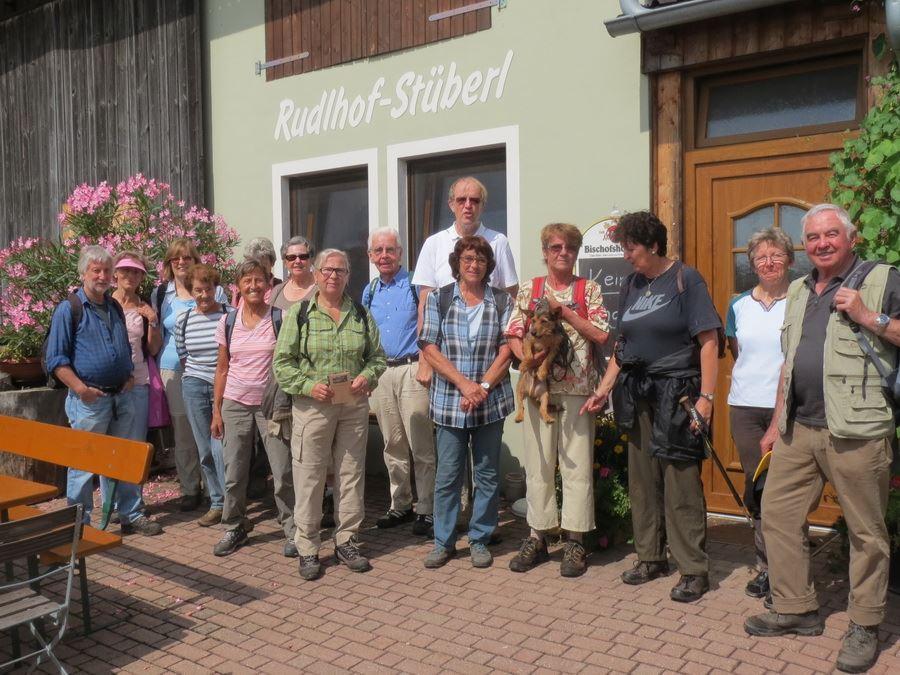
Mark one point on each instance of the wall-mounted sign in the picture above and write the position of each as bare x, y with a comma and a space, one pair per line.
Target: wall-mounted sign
430, 91
601, 259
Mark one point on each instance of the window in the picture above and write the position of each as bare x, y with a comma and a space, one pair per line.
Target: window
774, 214
338, 31
811, 97
331, 209
429, 182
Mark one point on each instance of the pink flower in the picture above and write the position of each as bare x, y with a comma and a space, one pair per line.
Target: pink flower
605, 472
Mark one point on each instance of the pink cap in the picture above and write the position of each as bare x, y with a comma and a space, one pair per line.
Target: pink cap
131, 262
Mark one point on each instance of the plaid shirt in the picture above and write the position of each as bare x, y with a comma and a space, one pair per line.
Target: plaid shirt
332, 348
471, 356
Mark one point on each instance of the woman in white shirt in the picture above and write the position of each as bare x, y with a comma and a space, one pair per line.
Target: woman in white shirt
753, 329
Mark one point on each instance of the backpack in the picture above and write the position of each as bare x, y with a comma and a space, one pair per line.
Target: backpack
303, 320
445, 299
77, 313
231, 319
374, 283
160, 295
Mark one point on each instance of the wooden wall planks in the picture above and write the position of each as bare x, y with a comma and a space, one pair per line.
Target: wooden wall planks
90, 91
339, 31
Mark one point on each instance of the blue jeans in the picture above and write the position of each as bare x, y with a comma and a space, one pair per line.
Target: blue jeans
114, 416
137, 432
452, 452
198, 402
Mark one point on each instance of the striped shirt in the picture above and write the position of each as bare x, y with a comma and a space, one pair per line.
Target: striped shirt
196, 343
472, 355
331, 347
250, 365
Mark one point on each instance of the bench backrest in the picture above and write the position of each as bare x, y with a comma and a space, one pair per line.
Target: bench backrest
115, 458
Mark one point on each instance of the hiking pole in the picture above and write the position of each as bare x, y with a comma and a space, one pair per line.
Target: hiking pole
704, 433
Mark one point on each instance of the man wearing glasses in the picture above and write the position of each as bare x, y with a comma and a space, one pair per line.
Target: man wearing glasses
399, 403
467, 199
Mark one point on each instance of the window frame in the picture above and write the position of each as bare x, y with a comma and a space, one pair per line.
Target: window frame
701, 82
281, 196
400, 154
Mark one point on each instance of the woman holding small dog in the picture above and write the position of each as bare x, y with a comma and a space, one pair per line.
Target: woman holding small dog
575, 305
463, 339
666, 355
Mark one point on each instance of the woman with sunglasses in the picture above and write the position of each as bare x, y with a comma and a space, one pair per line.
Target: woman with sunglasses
300, 284
170, 300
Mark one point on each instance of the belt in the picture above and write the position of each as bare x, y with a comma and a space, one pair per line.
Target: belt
107, 390
403, 361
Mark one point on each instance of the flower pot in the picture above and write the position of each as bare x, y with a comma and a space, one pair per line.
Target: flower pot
24, 373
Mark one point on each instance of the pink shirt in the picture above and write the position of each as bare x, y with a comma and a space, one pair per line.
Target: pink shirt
251, 358
134, 323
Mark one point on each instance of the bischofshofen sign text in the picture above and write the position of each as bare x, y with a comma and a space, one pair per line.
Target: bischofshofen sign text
435, 89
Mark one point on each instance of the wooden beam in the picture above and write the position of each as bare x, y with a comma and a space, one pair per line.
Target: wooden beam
667, 156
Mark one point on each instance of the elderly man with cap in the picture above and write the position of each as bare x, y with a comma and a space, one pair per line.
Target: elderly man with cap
833, 421
89, 351
399, 403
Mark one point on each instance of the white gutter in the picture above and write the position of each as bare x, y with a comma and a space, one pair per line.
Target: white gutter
637, 18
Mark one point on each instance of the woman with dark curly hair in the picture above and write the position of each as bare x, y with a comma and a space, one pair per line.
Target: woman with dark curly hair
463, 339
667, 349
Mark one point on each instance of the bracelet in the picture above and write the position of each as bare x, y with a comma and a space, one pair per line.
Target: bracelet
708, 397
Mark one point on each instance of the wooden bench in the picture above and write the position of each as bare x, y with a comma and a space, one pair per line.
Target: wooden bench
116, 458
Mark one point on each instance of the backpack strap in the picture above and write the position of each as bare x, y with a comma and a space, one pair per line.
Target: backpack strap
160, 295
579, 297
855, 279
184, 324
277, 320
371, 292
362, 316
77, 311
445, 299
303, 320
230, 320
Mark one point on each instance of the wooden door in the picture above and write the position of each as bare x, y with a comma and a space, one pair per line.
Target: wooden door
730, 193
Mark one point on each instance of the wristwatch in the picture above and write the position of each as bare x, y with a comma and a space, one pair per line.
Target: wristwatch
882, 321
154, 324
708, 397
486, 386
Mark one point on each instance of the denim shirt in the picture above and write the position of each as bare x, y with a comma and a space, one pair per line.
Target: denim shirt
100, 354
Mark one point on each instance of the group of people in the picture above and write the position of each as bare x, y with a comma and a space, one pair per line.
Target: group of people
294, 367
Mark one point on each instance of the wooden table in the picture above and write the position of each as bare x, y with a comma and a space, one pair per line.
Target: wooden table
18, 491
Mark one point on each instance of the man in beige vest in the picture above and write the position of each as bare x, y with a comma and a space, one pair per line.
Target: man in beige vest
832, 422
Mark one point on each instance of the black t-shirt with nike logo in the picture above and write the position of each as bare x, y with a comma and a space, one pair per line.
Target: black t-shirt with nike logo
655, 320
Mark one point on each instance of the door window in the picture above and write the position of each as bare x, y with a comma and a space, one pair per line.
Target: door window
774, 214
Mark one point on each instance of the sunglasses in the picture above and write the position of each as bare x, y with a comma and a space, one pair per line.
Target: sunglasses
473, 200
291, 257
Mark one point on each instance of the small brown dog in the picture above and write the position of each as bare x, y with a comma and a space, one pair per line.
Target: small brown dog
545, 334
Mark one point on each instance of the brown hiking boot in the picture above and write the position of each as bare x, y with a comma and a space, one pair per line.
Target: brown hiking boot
859, 650
210, 518
532, 552
574, 562
642, 572
771, 624
690, 587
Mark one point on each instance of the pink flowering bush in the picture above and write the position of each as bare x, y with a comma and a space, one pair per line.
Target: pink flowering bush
140, 214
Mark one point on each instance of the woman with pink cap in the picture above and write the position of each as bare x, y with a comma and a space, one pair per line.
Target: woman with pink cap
129, 270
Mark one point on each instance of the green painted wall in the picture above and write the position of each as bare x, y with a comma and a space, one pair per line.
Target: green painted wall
577, 96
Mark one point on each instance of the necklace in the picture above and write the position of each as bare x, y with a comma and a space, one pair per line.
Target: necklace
650, 281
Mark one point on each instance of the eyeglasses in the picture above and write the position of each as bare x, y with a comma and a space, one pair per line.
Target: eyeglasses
291, 257
461, 201
775, 259
469, 260
337, 271
181, 258
381, 250
556, 249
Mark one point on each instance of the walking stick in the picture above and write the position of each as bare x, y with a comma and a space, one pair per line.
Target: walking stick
704, 433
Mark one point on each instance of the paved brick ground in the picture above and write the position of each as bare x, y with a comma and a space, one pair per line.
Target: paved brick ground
170, 606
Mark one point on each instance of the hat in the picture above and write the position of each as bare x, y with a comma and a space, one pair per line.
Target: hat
128, 261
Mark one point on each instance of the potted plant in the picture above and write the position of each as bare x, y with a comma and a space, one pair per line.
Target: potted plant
36, 274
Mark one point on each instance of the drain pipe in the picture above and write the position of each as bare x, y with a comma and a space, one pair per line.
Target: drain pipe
637, 18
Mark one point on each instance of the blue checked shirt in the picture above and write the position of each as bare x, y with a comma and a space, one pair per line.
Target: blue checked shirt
99, 354
471, 355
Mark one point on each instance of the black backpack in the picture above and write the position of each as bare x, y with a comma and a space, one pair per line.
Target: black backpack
77, 313
231, 319
303, 320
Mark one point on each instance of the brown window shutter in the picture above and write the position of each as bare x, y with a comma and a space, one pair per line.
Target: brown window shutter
340, 31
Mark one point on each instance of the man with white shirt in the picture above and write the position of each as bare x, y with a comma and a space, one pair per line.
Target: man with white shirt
467, 199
